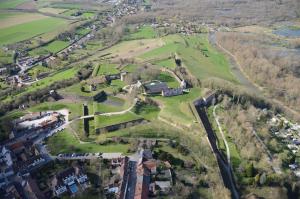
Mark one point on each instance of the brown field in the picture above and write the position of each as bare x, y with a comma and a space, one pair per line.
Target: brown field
53, 10
130, 49
31, 5
20, 18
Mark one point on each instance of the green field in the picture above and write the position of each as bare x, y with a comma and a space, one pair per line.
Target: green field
65, 142
176, 108
5, 4
56, 46
145, 32
113, 104
28, 30
170, 80
168, 63
82, 31
202, 60
88, 15
103, 121
106, 69
66, 74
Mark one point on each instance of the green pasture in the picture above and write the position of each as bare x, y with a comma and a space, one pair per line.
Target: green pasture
145, 32
177, 109
202, 60
5, 4
28, 30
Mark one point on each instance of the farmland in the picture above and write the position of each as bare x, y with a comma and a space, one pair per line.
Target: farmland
4, 4
30, 29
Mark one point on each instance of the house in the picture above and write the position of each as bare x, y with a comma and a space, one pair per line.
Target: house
71, 180
155, 87
6, 164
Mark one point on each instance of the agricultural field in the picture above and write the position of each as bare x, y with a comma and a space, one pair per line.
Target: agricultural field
145, 32
5, 4
29, 30
56, 46
10, 19
53, 10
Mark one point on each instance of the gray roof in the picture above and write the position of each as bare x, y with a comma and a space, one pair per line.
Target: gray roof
155, 87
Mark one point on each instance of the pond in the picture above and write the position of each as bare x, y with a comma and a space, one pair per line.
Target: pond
288, 32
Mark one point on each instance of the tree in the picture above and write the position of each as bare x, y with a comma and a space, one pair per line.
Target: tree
250, 170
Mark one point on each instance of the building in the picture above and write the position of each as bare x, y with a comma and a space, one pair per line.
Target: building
6, 165
172, 92
155, 87
70, 181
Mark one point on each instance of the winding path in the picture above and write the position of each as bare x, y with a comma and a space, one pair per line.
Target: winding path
222, 133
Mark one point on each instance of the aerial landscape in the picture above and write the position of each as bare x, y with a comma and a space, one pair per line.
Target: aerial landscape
138, 99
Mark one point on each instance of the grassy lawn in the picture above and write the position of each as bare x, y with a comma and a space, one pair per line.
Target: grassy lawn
113, 104
103, 121
154, 129
168, 63
202, 60
170, 80
65, 142
5, 4
28, 30
88, 15
177, 108
66, 74
145, 32
130, 68
147, 111
107, 69
38, 69
82, 31
56, 46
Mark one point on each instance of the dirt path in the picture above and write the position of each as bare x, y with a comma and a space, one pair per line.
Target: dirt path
222, 133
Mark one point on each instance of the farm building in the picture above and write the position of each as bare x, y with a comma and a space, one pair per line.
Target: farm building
155, 87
